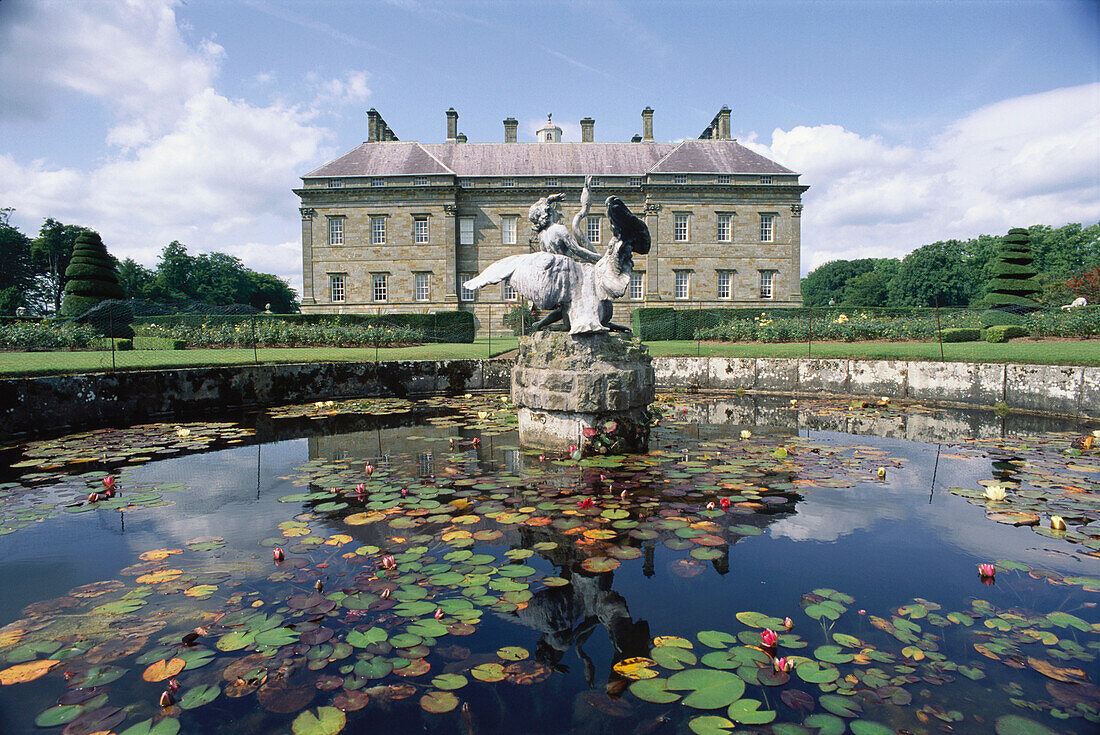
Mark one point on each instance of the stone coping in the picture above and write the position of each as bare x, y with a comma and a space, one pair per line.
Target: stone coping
49, 404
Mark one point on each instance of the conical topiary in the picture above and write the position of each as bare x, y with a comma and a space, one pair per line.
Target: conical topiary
1013, 287
90, 278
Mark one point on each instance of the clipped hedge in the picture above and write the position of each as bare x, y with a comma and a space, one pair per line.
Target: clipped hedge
158, 343
651, 323
962, 334
1004, 332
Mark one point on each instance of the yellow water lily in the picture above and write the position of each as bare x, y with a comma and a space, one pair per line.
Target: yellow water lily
183, 432
1057, 523
483, 415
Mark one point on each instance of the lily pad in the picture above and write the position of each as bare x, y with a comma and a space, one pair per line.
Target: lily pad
653, 690
710, 688
326, 721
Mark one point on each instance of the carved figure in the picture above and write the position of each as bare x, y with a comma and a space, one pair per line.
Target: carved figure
579, 292
1079, 301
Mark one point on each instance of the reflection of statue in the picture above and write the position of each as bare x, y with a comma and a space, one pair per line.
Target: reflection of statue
580, 293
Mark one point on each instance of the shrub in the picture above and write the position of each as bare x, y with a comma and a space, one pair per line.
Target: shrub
90, 276
1013, 289
1083, 321
158, 343
962, 334
520, 318
124, 345
242, 332
651, 323
1004, 332
46, 335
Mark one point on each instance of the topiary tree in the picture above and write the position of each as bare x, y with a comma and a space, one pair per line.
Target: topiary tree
90, 277
1014, 286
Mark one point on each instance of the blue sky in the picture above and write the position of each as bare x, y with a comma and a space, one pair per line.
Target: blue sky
153, 120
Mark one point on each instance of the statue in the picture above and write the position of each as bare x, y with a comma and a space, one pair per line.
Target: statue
576, 284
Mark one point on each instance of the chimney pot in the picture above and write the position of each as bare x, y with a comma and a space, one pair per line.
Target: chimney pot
452, 125
588, 126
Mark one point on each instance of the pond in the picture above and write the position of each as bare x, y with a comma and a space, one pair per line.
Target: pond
401, 565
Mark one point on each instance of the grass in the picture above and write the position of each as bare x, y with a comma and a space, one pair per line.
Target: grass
1085, 352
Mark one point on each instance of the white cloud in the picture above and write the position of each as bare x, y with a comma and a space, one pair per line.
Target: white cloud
1023, 161
184, 161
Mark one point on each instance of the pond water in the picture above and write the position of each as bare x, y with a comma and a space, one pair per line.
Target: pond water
435, 578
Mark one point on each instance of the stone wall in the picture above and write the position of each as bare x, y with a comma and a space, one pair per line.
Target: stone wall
49, 404
1055, 389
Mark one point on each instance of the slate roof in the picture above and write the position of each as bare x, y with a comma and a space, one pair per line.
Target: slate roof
548, 159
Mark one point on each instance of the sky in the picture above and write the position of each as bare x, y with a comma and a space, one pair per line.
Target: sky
192, 120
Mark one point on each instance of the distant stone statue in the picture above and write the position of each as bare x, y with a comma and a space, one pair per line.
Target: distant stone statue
579, 293
1079, 301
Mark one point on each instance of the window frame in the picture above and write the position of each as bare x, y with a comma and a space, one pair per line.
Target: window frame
508, 182
637, 181
336, 230
422, 286
336, 183
681, 218
420, 181
767, 226
378, 229
593, 219
551, 181
380, 284
726, 219
679, 178
682, 278
767, 284
465, 294
766, 180
338, 282
637, 278
725, 179
462, 230
377, 181
727, 276
509, 229
417, 234
507, 291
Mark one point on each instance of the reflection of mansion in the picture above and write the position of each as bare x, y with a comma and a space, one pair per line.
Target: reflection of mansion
396, 226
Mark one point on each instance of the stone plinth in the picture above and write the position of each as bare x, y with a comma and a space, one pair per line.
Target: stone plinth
588, 391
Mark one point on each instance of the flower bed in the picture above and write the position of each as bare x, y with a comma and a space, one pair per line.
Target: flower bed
45, 335
275, 333
843, 327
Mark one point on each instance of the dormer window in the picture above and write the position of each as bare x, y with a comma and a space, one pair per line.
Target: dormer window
549, 138
679, 179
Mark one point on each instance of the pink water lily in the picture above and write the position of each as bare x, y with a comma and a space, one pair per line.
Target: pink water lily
769, 638
404, 492
108, 482
173, 685
586, 503
93, 498
476, 441
724, 502
710, 505
987, 570
369, 469
572, 448
277, 554
439, 613
360, 488
589, 432
388, 562
782, 664
542, 458
166, 699
788, 623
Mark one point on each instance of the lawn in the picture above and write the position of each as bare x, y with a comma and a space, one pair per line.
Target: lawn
1085, 352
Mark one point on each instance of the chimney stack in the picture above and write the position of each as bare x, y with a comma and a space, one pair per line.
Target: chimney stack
452, 126
374, 134
588, 126
461, 138
647, 124
724, 123
510, 125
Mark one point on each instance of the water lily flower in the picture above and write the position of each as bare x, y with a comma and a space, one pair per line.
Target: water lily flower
476, 441
794, 402
93, 498
319, 404
624, 495
173, 684
386, 594
769, 638
782, 664
360, 488
861, 611
572, 448
166, 699
1057, 523
277, 554
439, 613
882, 473
987, 570
589, 432
183, 432
109, 482
995, 492
788, 623
542, 458
333, 490
483, 415
388, 562
404, 492
330, 404
724, 502
884, 400
745, 433
369, 469
710, 505
586, 503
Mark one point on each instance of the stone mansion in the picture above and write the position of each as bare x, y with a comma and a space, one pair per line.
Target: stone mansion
395, 226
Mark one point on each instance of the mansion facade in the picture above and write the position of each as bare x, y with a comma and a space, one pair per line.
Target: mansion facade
395, 226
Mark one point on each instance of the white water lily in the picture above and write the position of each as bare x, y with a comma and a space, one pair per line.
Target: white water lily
183, 432
745, 433
995, 492
1057, 523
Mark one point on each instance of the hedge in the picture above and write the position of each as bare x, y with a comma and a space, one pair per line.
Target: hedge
440, 326
1004, 332
962, 334
158, 343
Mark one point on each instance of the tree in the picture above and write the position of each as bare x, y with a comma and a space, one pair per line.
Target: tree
933, 275
16, 277
137, 281
1013, 288
871, 288
50, 253
90, 276
827, 281
268, 289
174, 270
